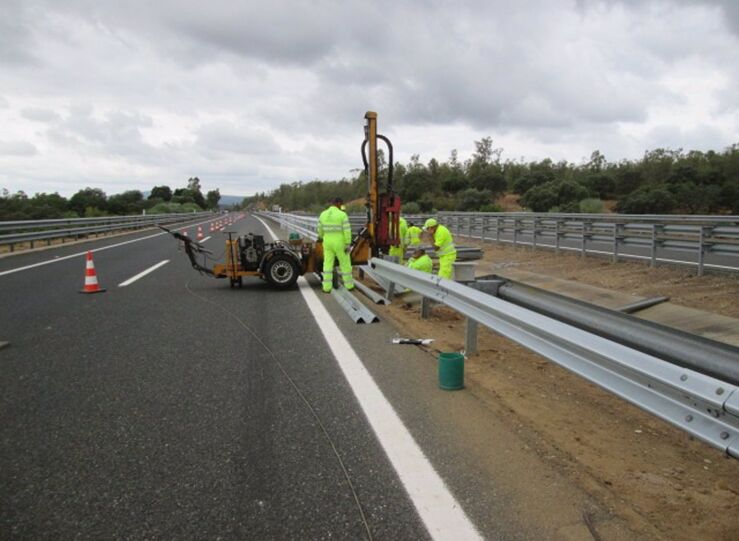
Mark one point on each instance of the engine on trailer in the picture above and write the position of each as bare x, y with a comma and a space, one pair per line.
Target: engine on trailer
251, 248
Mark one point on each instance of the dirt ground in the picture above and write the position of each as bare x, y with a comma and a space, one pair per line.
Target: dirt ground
657, 478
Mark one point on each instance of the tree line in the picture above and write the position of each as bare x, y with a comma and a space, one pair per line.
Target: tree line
93, 202
663, 181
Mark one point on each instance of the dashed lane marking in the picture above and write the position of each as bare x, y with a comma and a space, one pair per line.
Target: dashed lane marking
143, 273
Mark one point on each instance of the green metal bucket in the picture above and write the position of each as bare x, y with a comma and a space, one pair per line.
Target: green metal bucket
451, 371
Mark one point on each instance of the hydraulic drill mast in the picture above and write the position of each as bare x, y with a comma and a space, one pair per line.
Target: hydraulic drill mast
383, 208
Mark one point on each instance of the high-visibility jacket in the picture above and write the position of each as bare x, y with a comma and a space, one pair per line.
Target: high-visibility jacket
414, 235
423, 264
333, 225
444, 242
403, 230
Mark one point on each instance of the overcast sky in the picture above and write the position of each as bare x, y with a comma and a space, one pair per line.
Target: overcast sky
245, 95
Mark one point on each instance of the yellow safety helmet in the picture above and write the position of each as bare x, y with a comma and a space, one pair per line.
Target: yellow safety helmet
430, 223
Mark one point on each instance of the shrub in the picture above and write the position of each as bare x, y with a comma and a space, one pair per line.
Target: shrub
541, 198
591, 206
411, 208
472, 199
648, 200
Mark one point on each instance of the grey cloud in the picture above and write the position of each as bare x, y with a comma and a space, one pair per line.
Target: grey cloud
16, 40
38, 114
227, 137
17, 148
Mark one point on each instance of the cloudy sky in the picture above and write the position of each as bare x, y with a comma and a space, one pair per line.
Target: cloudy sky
246, 94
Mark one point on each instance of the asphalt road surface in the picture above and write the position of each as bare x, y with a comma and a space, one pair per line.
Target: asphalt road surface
175, 407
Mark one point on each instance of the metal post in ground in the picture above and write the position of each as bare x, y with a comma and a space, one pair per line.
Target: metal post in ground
425, 308
484, 226
656, 229
557, 233
497, 229
583, 250
515, 232
536, 227
470, 337
701, 249
616, 238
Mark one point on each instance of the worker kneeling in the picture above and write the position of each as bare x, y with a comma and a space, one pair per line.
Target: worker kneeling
399, 250
334, 228
420, 261
444, 247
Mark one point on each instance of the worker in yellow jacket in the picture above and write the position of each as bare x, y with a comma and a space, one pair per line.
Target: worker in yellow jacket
420, 261
336, 232
414, 234
399, 250
443, 246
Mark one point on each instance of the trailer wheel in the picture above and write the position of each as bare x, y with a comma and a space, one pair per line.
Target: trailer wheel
281, 271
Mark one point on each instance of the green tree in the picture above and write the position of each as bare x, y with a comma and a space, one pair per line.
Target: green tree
130, 202
648, 200
472, 199
541, 198
88, 198
212, 198
161, 192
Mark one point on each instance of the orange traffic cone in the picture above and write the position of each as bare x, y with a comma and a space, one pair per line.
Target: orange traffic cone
200, 235
91, 279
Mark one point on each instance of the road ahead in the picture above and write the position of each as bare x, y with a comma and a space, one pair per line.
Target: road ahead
175, 407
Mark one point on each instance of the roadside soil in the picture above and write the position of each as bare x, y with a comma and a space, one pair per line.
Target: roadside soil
655, 477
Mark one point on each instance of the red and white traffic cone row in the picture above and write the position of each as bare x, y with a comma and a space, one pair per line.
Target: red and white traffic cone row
91, 279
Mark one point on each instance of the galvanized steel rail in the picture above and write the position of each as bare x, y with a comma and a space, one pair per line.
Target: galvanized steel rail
704, 406
699, 235
31, 231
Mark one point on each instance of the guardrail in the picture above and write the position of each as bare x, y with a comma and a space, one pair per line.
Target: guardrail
699, 235
32, 231
704, 406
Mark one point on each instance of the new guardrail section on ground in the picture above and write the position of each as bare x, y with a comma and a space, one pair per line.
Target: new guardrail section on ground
704, 406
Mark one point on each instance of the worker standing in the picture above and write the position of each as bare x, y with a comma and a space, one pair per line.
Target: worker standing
399, 250
336, 232
420, 261
414, 234
444, 247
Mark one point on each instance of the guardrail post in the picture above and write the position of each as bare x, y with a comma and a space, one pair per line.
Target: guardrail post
470, 337
557, 234
464, 273
515, 232
536, 226
425, 308
497, 229
701, 248
616, 239
483, 226
584, 250
656, 229
469, 226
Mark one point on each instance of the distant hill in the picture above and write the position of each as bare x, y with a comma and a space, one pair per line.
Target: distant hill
228, 200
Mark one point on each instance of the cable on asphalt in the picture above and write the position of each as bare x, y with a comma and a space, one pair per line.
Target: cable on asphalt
302, 397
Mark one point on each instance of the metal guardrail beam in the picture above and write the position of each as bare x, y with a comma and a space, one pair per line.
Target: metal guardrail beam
703, 406
701, 235
38, 230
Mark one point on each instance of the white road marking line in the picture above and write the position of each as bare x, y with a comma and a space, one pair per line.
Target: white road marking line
62, 258
143, 273
203, 240
442, 515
